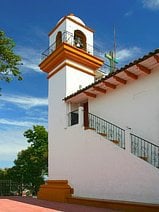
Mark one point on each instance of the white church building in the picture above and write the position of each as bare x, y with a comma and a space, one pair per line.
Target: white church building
103, 129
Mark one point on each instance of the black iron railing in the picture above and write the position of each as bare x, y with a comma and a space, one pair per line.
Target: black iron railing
139, 146
67, 37
111, 131
73, 118
10, 188
145, 150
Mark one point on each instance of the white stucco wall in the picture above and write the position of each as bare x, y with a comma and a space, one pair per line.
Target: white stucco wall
94, 166
63, 83
76, 80
97, 168
56, 110
134, 105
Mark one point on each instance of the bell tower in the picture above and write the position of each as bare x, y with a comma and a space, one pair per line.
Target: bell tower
71, 48
70, 65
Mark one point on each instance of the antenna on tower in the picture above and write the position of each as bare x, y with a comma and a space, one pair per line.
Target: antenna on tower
111, 56
114, 42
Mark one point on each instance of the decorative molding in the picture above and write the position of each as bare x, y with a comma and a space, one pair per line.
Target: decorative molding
131, 75
90, 72
110, 85
72, 66
56, 70
156, 58
60, 191
114, 204
55, 190
65, 51
143, 69
102, 90
90, 94
118, 79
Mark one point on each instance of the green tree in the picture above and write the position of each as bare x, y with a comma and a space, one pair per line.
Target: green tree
9, 61
31, 164
3, 174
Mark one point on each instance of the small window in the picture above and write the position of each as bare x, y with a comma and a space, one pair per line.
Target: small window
73, 118
79, 39
58, 39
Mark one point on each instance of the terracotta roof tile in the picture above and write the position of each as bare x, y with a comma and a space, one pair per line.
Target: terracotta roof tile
139, 60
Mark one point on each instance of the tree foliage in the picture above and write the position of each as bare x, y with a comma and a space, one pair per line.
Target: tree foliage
31, 164
9, 61
3, 174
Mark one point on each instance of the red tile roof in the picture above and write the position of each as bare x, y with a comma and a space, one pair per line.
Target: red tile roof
132, 71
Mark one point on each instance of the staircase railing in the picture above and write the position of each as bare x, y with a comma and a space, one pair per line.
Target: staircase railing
145, 150
111, 131
139, 146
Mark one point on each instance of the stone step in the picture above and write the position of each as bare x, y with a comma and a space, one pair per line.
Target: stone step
103, 134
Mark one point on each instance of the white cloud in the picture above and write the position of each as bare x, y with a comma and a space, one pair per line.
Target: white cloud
24, 101
20, 123
33, 113
30, 58
30, 65
1, 105
151, 4
127, 54
12, 141
124, 55
129, 13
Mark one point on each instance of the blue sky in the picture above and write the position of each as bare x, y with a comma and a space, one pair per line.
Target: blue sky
24, 104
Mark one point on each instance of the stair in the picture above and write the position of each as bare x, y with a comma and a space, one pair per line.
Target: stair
107, 129
140, 147
115, 141
144, 158
103, 134
89, 128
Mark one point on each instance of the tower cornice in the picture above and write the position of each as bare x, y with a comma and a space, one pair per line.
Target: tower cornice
65, 52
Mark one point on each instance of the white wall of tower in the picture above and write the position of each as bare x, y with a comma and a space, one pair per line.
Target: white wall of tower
76, 80
56, 118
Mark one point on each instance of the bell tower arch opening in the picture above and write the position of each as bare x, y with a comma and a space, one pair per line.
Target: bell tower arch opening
58, 38
80, 39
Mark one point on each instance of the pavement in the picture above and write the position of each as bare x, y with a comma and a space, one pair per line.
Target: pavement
30, 204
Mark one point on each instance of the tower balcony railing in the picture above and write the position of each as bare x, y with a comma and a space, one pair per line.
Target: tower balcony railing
68, 37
